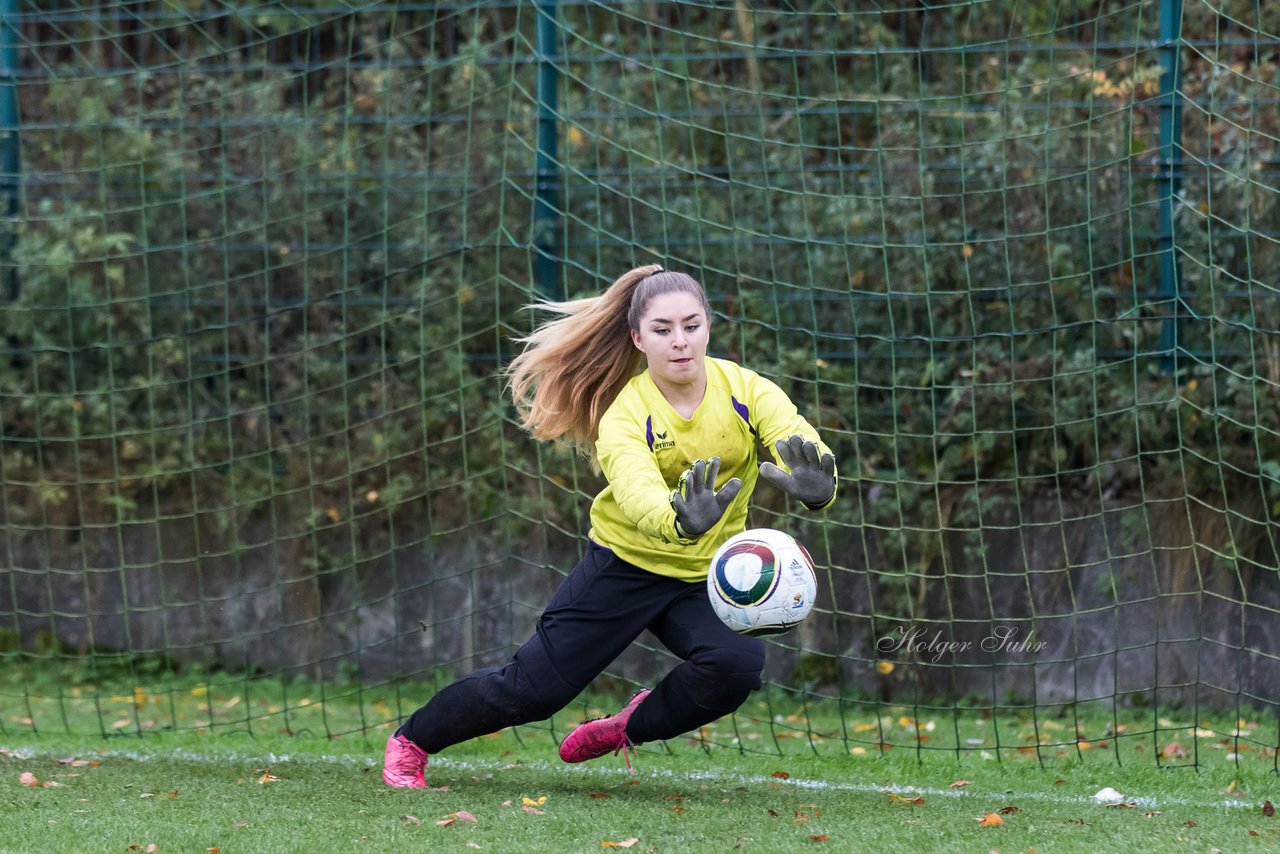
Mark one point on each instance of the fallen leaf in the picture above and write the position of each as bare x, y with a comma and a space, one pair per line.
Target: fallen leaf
28, 779
601, 795
895, 798
626, 843
773, 812
1008, 810
990, 820
445, 822
1190, 824
533, 810
958, 784
240, 825
530, 802
463, 815
213, 850
781, 775
1152, 813
1254, 833
173, 794
1173, 750
1233, 788
1121, 806
268, 777
1268, 809
411, 819
820, 838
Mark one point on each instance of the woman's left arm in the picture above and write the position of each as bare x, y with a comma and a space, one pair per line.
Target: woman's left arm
806, 467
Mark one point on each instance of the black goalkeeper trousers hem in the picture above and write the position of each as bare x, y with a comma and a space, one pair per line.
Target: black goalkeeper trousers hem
597, 612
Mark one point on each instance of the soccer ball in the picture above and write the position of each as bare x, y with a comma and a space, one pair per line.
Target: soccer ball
761, 582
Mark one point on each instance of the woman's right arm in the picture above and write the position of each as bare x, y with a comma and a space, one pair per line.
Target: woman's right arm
638, 487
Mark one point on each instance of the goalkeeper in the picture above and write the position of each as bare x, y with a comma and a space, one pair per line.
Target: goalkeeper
677, 444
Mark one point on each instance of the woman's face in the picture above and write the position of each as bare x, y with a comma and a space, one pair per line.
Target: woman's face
673, 336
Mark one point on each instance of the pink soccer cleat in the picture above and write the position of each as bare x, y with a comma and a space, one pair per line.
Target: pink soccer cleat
595, 738
403, 764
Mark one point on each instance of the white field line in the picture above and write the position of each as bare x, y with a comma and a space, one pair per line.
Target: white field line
367, 760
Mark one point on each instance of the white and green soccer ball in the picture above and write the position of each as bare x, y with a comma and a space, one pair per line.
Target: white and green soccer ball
761, 582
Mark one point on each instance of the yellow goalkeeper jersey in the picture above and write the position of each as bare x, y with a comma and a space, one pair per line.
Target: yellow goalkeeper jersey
644, 445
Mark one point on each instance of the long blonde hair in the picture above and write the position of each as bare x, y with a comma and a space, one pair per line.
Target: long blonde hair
572, 367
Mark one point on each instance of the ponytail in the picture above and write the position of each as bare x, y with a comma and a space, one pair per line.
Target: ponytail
573, 367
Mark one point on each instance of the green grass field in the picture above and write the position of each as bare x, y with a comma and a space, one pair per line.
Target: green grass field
274, 766
237, 793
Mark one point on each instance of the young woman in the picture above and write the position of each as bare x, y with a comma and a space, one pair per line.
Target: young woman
676, 443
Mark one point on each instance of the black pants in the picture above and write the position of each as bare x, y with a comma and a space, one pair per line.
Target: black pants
597, 612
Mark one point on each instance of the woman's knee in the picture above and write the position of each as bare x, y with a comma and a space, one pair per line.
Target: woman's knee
726, 675
740, 664
539, 696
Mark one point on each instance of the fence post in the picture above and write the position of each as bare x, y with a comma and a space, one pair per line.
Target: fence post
9, 164
546, 209
1169, 179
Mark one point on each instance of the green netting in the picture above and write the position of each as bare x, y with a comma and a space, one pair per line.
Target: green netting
262, 264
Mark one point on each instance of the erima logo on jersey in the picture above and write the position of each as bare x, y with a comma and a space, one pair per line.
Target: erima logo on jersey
657, 441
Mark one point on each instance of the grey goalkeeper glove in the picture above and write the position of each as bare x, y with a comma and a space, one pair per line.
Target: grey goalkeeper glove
812, 479
697, 504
